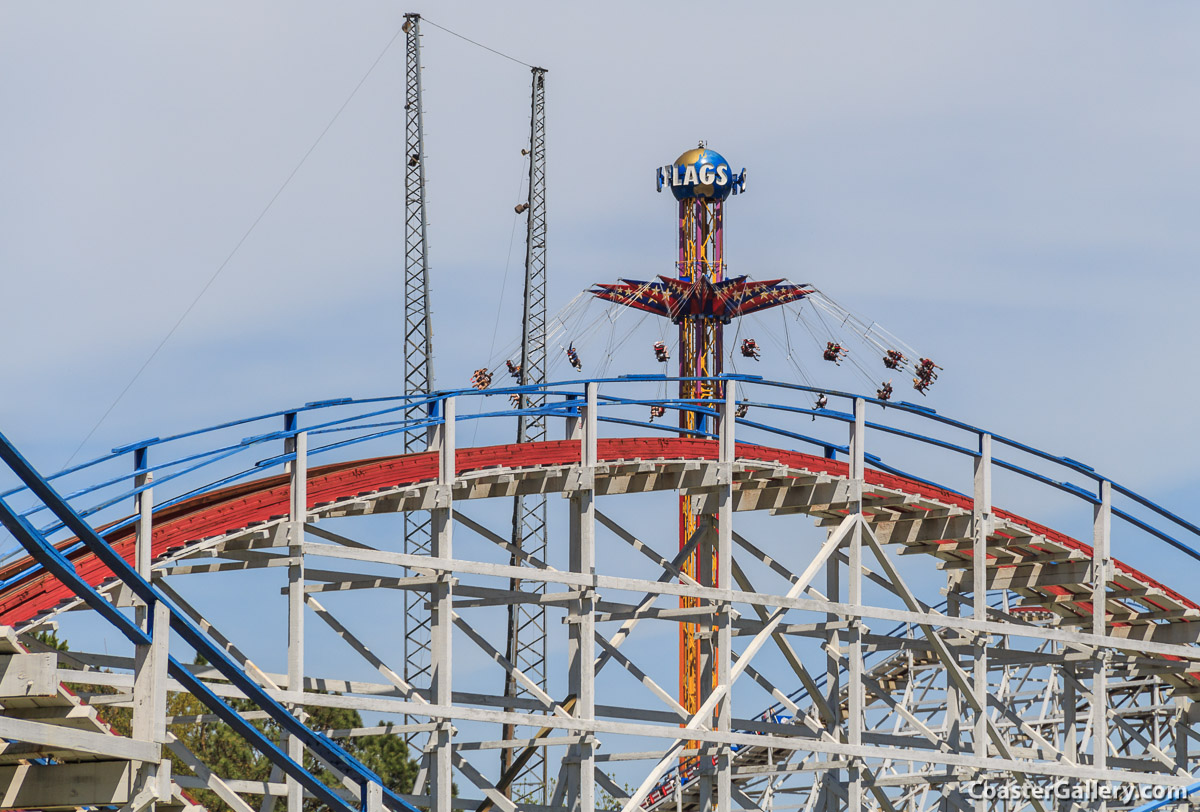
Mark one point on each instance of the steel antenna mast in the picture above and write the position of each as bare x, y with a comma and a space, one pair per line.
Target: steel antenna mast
526, 644
418, 341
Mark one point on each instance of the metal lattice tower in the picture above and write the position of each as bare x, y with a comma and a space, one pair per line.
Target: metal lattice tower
526, 644
418, 339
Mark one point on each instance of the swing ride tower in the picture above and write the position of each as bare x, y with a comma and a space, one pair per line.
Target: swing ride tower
701, 301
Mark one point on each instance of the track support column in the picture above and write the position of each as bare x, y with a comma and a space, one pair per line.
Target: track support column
854, 670
442, 614
1101, 575
150, 662
981, 526
833, 677
144, 507
581, 648
724, 630
296, 444
953, 699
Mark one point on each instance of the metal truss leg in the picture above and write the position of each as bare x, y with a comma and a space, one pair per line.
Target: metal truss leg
418, 343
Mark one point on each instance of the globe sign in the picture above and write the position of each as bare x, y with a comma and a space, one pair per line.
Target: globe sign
699, 172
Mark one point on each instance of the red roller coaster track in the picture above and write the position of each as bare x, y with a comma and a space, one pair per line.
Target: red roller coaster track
243, 505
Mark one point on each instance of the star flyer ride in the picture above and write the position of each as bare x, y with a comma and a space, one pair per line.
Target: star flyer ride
701, 300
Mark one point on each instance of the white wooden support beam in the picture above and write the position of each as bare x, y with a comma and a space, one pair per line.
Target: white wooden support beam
28, 675
441, 598
827, 714
150, 679
297, 444
143, 530
46, 786
669, 731
827, 800
591, 420
1181, 731
1143, 645
148, 714
56, 737
953, 698
1101, 576
854, 672
374, 797
581, 644
697, 722
574, 422
982, 521
944, 654
726, 456
210, 779
1069, 702
149, 721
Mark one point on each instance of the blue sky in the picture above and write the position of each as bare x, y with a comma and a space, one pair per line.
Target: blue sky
1012, 188
1009, 187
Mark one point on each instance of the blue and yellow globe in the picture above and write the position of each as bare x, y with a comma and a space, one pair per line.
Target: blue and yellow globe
705, 174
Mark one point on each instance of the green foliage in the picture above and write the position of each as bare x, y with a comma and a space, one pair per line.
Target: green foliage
49, 638
387, 756
217, 745
228, 754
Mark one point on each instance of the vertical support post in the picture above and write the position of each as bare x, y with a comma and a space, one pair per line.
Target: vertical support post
1182, 729
768, 796
953, 697
981, 524
724, 620
581, 646
150, 662
574, 422
442, 614
833, 676
705, 637
150, 695
374, 798
1070, 702
1101, 575
854, 636
296, 444
144, 505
